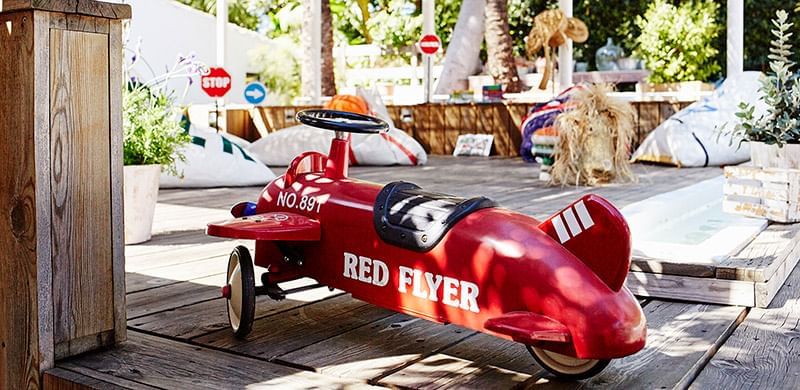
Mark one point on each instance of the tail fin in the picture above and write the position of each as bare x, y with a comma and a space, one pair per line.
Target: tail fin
595, 232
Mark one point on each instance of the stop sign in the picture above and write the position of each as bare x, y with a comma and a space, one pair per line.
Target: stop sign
429, 44
216, 83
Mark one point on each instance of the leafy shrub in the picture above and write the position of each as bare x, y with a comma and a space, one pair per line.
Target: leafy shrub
391, 24
677, 42
781, 123
279, 63
240, 12
152, 133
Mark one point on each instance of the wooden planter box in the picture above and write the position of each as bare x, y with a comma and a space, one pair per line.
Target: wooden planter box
752, 277
772, 156
772, 193
61, 246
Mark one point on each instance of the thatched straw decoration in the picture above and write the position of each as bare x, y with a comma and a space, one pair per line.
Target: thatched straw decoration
594, 139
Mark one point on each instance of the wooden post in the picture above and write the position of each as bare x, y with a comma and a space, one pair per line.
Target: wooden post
221, 46
61, 236
565, 62
735, 37
428, 27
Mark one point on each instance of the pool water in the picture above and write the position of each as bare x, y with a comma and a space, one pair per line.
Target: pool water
689, 225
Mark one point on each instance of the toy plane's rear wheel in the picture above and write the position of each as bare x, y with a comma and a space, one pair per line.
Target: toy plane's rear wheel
241, 291
567, 367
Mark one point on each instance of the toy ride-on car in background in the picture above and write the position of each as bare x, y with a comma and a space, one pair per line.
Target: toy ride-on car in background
555, 286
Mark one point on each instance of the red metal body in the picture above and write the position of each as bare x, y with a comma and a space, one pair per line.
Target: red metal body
556, 284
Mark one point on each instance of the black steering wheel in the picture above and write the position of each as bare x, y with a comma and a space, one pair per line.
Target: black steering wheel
342, 121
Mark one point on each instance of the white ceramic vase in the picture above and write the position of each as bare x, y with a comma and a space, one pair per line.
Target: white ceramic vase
141, 194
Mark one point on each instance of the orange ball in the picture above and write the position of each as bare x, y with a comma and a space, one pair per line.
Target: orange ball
349, 103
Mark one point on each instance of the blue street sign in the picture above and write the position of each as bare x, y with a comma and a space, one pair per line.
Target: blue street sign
255, 92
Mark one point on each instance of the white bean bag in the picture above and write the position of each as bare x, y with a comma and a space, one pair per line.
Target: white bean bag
214, 160
695, 136
392, 148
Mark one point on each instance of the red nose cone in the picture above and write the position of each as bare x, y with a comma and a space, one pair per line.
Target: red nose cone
226, 291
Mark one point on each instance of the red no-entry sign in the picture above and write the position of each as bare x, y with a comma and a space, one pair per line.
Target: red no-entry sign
216, 83
430, 44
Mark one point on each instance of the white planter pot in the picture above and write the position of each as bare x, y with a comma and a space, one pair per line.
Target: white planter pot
141, 194
771, 156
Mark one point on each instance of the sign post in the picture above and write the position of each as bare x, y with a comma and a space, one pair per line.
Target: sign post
429, 45
216, 84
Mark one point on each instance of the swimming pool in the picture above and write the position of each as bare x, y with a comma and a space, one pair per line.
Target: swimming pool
689, 225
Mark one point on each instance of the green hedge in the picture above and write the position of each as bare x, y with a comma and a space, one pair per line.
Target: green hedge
757, 27
615, 19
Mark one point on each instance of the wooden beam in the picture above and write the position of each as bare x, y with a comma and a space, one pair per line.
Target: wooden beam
735, 37
25, 316
565, 62
78, 7
428, 27
316, 51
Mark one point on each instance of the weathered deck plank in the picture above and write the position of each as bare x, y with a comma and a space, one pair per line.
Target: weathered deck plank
174, 295
171, 274
158, 362
763, 257
371, 350
196, 320
70, 376
298, 328
479, 362
764, 351
514, 183
679, 336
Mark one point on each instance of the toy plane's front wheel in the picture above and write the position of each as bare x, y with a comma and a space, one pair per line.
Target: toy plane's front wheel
567, 367
240, 291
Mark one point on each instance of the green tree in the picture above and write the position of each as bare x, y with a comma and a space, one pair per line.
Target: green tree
395, 25
676, 43
239, 12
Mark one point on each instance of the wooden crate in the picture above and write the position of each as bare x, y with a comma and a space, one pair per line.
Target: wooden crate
771, 193
752, 277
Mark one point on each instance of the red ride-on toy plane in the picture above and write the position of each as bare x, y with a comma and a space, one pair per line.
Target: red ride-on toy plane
554, 285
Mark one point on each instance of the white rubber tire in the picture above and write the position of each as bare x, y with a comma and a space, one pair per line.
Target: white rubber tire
241, 303
567, 367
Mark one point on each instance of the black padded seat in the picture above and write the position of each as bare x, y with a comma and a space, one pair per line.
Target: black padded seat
411, 218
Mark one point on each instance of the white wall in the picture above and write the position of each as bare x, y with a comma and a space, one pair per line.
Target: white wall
168, 28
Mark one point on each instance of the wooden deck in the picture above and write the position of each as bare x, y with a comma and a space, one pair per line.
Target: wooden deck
178, 335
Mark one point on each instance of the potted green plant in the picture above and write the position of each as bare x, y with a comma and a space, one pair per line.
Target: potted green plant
774, 137
152, 142
770, 186
677, 45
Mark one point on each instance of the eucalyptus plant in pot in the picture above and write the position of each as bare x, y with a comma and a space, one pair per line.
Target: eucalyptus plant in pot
775, 136
153, 140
